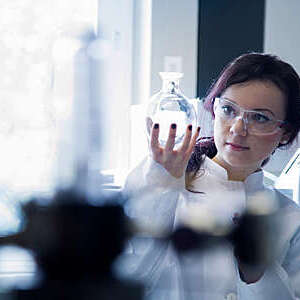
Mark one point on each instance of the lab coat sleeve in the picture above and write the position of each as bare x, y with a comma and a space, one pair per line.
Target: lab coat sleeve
152, 195
282, 279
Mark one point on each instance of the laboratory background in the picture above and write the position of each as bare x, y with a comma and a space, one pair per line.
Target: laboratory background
76, 77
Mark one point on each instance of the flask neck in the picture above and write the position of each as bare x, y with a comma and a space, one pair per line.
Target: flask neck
170, 86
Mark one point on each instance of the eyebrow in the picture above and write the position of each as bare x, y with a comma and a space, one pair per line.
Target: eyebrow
254, 109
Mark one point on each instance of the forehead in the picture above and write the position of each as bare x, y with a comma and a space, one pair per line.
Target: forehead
258, 95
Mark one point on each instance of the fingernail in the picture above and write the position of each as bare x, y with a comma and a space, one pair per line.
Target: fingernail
198, 129
190, 127
173, 126
156, 125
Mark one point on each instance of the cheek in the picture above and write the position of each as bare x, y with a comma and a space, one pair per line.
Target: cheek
271, 139
268, 143
219, 128
221, 132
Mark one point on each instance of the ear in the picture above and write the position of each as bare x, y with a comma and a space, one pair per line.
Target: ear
285, 137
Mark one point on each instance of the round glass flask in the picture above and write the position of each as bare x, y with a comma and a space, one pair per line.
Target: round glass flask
170, 106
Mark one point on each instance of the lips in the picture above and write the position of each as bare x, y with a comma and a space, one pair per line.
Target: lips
237, 147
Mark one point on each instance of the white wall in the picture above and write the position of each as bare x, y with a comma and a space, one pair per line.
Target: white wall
174, 33
282, 25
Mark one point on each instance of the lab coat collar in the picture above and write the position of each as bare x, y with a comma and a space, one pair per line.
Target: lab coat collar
253, 182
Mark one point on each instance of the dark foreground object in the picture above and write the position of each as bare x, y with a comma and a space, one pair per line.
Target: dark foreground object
75, 245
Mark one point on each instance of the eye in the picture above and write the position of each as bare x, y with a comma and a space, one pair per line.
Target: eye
228, 110
260, 118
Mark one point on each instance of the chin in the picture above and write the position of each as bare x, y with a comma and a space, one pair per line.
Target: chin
241, 161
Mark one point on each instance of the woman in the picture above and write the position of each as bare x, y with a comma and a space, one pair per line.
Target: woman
256, 107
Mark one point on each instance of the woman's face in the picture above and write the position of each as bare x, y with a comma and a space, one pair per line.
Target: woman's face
237, 149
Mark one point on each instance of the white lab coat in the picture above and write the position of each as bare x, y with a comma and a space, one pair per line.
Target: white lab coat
157, 199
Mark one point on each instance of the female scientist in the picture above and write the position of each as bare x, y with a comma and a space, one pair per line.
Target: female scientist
255, 104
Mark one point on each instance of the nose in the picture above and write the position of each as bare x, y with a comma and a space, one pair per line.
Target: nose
238, 126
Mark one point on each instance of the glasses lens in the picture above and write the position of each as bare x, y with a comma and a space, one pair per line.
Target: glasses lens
261, 123
227, 110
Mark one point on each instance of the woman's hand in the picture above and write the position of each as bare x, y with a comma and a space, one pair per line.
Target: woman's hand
174, 161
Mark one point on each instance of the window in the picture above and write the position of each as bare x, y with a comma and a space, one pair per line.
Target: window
38, 39
29, 113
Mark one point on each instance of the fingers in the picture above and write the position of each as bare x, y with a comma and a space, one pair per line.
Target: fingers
187, 139
171, 138
187, 145
154, 137
193, 141
149, 124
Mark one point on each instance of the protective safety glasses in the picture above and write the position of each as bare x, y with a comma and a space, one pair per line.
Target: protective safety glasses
257, 122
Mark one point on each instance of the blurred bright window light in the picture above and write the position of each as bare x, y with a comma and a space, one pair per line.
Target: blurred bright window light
29, 115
